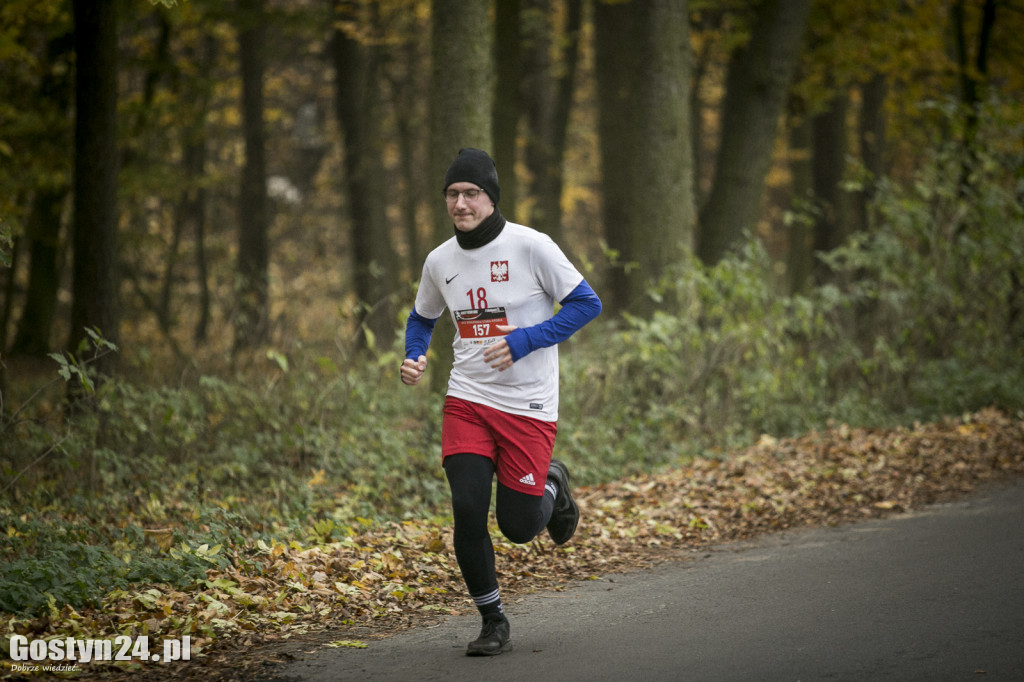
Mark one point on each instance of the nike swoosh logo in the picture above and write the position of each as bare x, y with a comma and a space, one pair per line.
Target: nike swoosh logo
448, 280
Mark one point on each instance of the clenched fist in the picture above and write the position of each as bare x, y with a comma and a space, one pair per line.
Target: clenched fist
412, 370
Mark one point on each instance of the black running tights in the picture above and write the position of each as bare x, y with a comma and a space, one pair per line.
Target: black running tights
520, 517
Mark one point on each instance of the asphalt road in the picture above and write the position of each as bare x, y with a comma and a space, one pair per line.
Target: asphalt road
936, 594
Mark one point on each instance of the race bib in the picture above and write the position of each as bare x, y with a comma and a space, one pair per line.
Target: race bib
479, 326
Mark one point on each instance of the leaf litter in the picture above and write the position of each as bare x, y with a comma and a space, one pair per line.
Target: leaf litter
398, 575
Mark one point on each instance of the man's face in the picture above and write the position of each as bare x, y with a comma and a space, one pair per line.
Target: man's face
465, 213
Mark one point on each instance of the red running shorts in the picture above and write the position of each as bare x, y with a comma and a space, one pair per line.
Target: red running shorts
519, 446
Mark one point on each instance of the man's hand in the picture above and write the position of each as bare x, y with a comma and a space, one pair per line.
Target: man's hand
412, 370
499, 356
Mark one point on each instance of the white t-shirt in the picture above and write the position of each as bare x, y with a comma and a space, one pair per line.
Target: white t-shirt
514, 279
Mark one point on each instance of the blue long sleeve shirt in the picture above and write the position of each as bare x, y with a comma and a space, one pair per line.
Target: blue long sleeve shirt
578, 308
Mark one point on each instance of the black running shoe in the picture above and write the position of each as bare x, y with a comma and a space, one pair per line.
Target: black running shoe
566, 514
494, 638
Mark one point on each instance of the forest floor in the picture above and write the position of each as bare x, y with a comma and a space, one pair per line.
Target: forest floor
389, 578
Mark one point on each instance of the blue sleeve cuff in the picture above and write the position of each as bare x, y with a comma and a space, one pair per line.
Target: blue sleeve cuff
518, 343
418, 330
578, 308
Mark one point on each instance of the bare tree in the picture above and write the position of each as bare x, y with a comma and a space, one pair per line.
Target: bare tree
643, 64
829, 149
461, 91
551, 56
251, 321
45, 219
508, 100
95, 281
358, 101
759, 75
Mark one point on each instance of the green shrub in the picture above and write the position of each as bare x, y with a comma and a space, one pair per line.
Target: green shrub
925, 318
726, 360
49, 559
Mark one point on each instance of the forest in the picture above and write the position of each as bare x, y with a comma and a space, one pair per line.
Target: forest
800, 215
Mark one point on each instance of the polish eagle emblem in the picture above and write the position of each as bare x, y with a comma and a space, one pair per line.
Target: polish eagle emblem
499, 270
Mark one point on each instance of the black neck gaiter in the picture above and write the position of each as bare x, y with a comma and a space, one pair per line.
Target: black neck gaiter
484, 233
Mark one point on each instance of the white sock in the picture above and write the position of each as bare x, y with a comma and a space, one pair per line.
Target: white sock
551, 487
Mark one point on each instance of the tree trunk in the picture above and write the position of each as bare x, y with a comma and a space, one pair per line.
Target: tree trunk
646, 158
828, 164
872, 128
507, 101
756, 85
33, 337
461, 87
358, 69
8, 259
548, 89
193, 212
800, 258
973, 73
95, 280
708, 22
195, 197
46, 218
411, 95
251, 321
871, 133
163, 305
461, 90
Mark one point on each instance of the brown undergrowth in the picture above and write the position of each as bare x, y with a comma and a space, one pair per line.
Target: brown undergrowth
400, 575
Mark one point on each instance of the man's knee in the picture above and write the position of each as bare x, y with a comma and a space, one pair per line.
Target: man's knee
520, 516
518, 529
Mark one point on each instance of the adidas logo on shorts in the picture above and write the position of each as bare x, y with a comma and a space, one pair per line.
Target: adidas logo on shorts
528, 480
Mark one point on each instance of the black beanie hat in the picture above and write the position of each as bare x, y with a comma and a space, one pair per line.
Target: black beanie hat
476, 166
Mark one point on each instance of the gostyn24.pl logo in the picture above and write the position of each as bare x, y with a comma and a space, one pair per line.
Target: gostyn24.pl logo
30, 654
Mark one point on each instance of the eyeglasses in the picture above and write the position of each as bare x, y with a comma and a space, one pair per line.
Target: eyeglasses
452, 195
